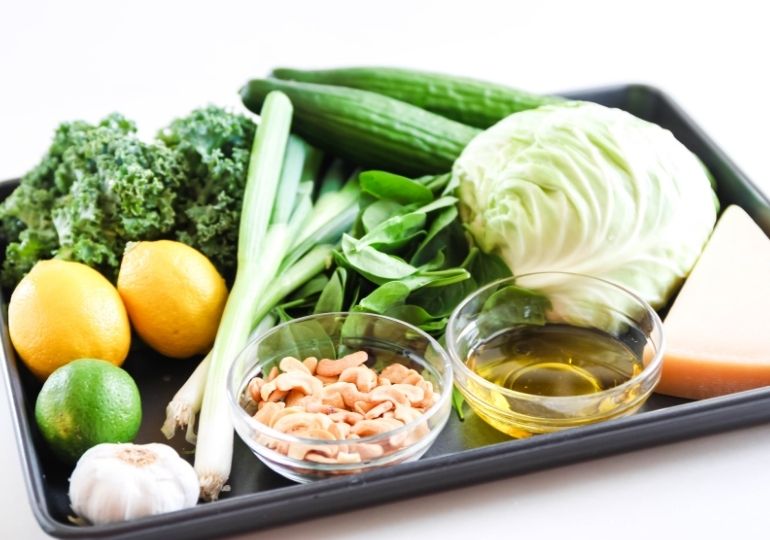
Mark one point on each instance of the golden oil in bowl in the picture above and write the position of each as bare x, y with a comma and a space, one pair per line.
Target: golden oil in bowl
547, 351
555, 360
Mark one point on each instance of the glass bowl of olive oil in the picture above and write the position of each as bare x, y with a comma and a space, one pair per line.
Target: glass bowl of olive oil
547, 351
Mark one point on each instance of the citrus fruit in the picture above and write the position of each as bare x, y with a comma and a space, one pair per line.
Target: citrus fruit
64, 310
174, 296
87, 402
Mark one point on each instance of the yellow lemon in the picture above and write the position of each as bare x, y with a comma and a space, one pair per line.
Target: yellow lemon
63, 310
174, 296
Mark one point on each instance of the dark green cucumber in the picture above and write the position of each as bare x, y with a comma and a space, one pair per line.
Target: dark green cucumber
368, 129
470, 101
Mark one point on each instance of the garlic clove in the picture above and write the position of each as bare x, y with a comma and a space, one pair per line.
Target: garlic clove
118, 482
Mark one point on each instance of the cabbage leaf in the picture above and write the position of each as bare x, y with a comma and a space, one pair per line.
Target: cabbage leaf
584, 188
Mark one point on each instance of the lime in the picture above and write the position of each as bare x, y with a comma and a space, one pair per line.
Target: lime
87, 402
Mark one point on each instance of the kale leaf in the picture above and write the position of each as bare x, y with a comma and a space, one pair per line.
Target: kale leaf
99, 187
213, 147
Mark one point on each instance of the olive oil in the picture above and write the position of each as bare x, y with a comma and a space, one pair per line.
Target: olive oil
555, 360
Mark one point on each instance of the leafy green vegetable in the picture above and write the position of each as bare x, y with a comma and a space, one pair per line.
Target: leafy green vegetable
307, 338
434, 240
518, 305
385, 185
385, 297
584, 188
213, 148
377, 266
512, 306
379, 211
408, 256
332, 296
99, 187
395, 232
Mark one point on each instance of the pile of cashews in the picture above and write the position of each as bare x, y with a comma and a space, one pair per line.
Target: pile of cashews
340, 400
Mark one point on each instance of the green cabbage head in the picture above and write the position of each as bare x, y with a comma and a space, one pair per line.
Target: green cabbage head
584, 188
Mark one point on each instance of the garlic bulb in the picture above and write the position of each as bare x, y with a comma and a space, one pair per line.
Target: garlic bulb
116, 482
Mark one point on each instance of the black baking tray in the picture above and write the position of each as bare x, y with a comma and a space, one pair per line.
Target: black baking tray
465, 453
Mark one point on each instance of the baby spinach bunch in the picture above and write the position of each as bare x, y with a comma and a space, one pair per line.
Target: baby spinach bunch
407, 257
99, 186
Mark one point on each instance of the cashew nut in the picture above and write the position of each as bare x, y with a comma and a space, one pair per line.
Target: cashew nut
340, 400
379, 410
267, 411
254, 386
332, 368
289, 363
366, 428
310, 363
364, 378
298, 379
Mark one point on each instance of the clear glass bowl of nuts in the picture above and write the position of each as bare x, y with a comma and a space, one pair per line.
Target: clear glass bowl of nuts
340, 393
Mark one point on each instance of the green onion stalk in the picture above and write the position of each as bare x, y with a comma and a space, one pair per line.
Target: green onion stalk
285, 239
258, 260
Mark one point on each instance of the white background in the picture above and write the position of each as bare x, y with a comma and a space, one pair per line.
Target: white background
156, 60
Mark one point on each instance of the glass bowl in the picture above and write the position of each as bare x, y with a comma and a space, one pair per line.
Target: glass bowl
386, 341
546, 351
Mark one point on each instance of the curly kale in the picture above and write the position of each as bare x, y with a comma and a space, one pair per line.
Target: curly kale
213, 147
99, 187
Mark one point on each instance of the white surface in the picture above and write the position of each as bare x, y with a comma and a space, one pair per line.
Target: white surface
155, 60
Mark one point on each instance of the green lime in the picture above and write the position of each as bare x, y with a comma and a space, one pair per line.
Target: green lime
87, 402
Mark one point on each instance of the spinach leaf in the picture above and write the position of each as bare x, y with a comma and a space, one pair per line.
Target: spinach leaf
433, 241
436, 183
487, 268
512, 305
332, 297
438, 204
379, 211
417, 316
395, 232
376, 266
440, 301
385, 297
300, 340
385, 185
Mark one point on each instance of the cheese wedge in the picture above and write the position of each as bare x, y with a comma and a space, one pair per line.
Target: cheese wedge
717, 332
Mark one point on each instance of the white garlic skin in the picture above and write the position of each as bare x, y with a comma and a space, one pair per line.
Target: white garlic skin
118, 482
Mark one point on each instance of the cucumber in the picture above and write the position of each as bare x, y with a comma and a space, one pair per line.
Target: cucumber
472, 102
368, 129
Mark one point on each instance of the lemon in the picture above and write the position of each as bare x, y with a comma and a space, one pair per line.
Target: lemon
174, 296
63, 310
87, 402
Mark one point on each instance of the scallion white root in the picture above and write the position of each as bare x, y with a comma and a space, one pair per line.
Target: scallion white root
181, 410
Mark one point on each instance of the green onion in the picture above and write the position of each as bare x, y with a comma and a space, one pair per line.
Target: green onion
260, 250
285, 239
